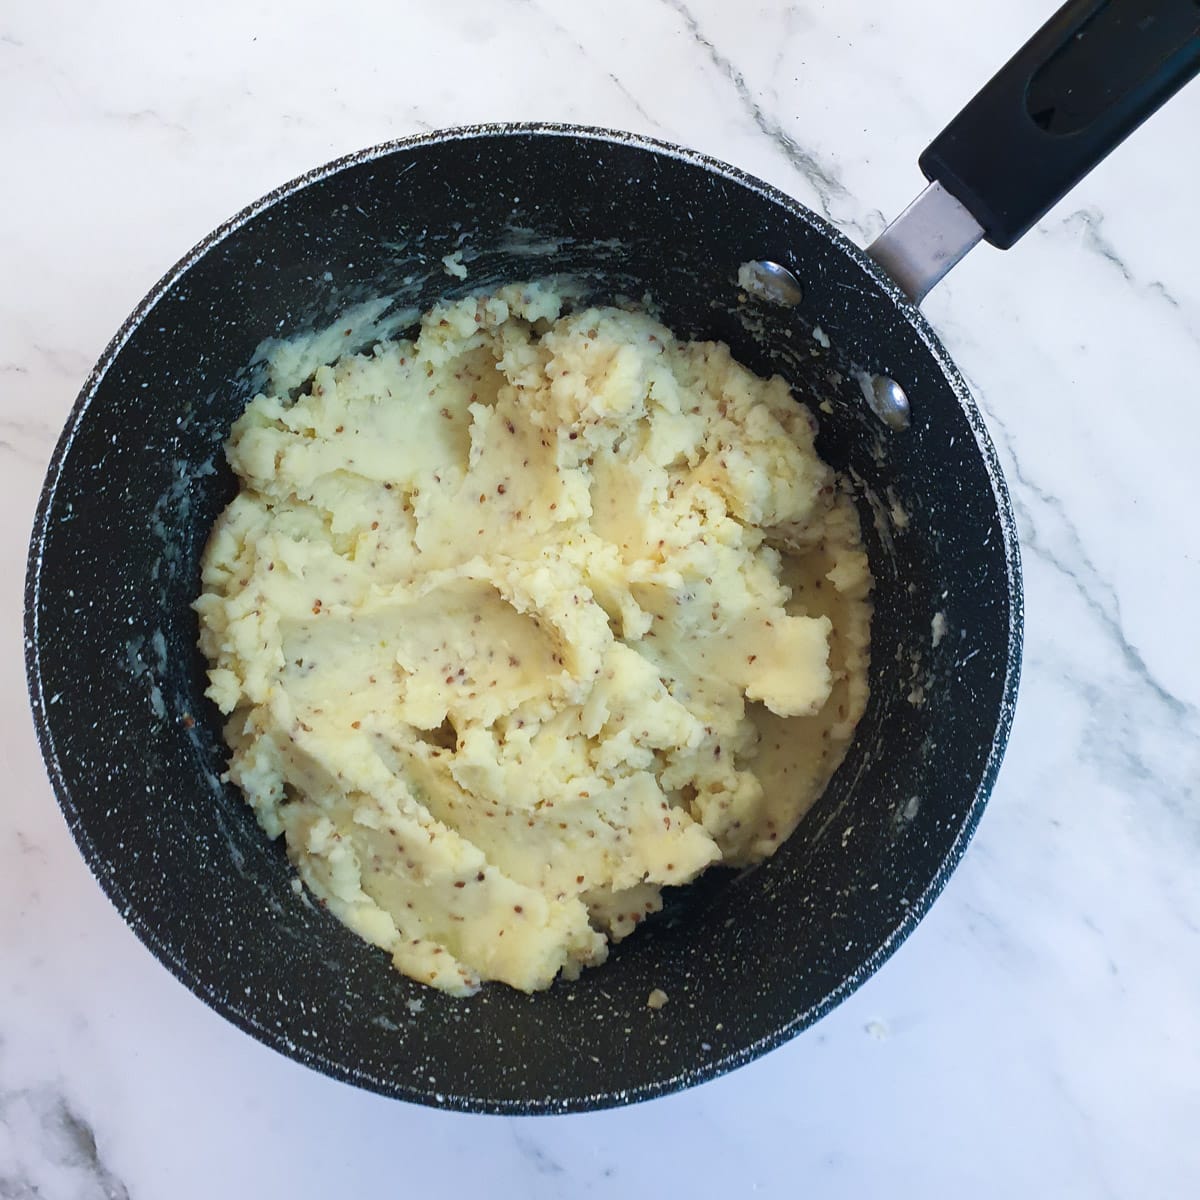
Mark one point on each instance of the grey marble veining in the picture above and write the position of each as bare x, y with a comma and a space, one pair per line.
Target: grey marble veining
49, 1149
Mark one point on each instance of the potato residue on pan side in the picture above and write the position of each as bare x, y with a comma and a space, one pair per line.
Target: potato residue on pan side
520, 622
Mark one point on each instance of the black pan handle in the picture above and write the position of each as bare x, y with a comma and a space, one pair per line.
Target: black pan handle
1085, 81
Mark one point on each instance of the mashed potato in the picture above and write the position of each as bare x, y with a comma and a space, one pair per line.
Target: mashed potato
520, 622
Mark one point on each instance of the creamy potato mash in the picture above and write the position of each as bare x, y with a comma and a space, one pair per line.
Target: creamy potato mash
519, 622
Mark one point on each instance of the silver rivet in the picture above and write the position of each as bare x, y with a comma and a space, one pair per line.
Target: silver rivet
889, 403
770, 282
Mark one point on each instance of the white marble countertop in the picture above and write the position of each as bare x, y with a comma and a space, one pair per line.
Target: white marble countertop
1039, 1035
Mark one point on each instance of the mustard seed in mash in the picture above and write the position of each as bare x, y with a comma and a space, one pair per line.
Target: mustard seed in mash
522, 621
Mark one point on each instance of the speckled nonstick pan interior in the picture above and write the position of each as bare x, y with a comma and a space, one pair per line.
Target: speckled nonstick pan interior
134, 750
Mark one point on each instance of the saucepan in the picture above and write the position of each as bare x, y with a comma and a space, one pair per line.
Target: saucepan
134, 750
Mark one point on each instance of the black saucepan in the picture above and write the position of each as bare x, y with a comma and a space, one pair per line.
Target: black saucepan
134, 750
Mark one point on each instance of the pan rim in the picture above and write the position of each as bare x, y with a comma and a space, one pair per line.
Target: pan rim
224, 1004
